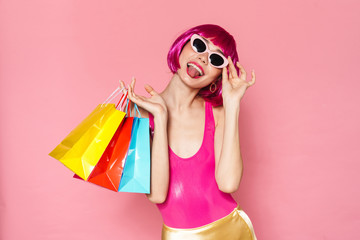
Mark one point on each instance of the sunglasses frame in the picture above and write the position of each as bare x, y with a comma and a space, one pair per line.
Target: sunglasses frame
207, 50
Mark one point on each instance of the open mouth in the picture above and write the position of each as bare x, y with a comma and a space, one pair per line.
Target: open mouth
194, 71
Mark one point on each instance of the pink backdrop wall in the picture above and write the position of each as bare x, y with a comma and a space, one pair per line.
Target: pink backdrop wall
299, 123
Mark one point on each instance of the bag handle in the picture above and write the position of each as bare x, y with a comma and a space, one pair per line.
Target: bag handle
122, 101
113, 95
136, 109
127, 107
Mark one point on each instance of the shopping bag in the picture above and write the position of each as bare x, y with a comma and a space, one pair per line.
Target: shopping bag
107, 173
81, 150
136, 172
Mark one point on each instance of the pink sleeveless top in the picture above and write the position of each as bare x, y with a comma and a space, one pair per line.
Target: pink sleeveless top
194, 198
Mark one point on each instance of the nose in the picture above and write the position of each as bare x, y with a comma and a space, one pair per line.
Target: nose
204, 57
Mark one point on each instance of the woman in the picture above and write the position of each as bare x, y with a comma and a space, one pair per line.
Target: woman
196, 160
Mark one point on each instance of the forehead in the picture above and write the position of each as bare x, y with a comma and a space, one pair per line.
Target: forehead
212, 46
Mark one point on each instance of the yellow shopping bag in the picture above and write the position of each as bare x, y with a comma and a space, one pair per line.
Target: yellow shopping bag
81, 150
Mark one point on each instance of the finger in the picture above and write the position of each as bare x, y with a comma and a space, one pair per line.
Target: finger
232, 68
121, 83
131, 93
242, 71
122, 86
150, 90
225, 77
133, 80
132, 98
252, 82
137, 99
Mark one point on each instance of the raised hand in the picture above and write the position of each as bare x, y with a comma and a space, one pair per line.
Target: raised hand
233, 86
154, 104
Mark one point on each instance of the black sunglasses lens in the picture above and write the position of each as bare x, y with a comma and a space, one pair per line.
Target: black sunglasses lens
199, 45
216, 59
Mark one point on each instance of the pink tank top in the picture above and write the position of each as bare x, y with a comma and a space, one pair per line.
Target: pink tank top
194, 198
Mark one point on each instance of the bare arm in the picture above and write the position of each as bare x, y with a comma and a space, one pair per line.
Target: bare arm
229, 165
159, 146
159, 161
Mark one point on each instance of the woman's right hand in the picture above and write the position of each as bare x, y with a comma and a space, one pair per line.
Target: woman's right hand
154, 104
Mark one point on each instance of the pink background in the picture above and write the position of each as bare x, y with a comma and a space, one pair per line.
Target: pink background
299, 123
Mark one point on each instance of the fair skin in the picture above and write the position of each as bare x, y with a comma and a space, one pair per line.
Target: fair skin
179, 117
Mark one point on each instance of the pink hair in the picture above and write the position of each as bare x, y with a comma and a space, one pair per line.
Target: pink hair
219, 37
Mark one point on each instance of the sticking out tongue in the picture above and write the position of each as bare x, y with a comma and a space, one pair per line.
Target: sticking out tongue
193, 72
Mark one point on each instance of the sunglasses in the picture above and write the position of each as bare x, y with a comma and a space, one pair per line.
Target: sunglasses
200, 46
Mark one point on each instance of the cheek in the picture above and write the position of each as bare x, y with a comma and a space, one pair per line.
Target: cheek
215, 72
185, 55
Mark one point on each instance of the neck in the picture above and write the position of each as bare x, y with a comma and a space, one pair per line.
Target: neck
178, 95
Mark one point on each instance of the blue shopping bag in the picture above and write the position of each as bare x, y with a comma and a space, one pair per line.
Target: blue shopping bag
136, 173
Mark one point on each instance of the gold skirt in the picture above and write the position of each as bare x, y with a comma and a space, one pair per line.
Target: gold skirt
235, 226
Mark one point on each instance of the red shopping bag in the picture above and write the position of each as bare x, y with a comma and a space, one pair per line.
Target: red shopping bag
107, 173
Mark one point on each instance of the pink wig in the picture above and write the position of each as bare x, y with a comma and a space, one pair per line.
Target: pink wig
219, 37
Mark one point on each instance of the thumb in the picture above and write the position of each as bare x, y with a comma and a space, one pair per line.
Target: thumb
150, 90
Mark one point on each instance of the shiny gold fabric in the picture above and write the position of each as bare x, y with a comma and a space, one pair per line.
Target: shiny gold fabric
235, 226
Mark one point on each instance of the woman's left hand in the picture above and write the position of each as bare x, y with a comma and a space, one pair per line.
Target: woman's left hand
233, 86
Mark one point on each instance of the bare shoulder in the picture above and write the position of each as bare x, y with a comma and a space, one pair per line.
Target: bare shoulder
218, 114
